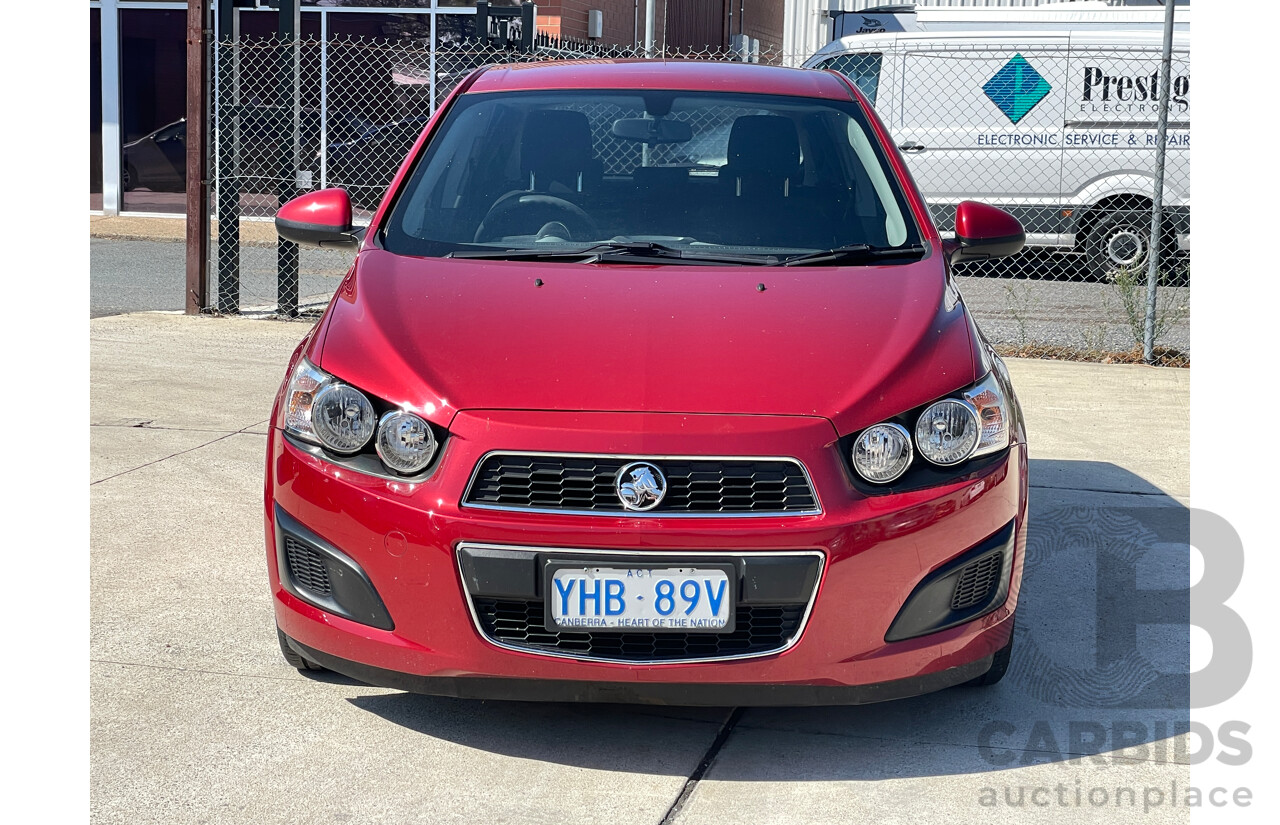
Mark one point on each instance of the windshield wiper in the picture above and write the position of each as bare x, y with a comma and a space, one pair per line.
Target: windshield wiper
854, 253
649, 249
613, 251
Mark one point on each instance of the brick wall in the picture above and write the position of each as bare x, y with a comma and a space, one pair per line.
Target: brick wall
763, 20
568, 18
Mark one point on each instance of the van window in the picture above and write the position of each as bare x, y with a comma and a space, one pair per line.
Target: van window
862, 69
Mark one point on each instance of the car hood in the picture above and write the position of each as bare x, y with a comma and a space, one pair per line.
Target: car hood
855, 345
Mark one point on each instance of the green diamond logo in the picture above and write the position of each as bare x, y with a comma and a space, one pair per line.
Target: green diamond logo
1016, 88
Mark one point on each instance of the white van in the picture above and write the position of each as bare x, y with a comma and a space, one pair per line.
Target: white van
1058, 127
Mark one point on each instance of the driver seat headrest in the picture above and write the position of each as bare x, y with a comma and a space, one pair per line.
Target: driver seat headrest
555, 148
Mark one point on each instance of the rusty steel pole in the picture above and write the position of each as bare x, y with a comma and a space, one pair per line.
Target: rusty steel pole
197, 292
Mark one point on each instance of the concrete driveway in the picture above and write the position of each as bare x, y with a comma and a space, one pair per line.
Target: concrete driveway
196, 718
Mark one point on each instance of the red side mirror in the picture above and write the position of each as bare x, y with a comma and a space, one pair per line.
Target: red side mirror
321, 218
984, 231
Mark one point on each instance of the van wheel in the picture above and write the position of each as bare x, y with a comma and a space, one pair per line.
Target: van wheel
292, 656
1122, 238
1118, 240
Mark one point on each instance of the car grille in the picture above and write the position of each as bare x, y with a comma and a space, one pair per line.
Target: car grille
976, 580
522, 624
307, 567
695, 486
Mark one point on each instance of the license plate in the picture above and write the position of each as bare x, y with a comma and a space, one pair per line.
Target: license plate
643, 599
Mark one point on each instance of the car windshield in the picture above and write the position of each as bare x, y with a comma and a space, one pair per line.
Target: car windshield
736, 178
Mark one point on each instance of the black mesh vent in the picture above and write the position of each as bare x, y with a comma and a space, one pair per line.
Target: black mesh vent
757, 629
307, 567
976, 581
693, 486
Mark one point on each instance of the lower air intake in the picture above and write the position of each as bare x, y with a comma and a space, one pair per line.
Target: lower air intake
307, 567
976, 581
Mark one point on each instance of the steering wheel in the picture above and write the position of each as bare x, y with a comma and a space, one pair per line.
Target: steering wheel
524, 213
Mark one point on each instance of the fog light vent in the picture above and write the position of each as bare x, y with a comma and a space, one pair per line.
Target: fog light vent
976, 581
307, 567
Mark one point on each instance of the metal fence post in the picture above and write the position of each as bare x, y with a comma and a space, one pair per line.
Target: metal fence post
112, 131
528, 25
324, 99
197, 159
431, 69
650, 13
289, 109
228, 120
1157, 206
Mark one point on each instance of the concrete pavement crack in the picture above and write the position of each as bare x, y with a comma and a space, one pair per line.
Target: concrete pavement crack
243, 431
148, 426
708, 758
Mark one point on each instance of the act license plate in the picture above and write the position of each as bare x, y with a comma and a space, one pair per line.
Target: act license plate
689, 599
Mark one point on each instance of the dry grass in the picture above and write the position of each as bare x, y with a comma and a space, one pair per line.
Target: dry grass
1163, 356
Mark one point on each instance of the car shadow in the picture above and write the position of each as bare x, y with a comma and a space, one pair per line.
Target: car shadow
1100, 672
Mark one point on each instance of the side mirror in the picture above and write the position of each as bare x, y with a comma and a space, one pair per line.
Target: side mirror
320, 219
984, 231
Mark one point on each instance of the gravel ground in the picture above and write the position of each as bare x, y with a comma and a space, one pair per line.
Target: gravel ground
1050, 300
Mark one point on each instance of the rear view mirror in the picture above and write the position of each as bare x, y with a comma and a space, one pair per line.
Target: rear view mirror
983, 231
652, 130
321, 219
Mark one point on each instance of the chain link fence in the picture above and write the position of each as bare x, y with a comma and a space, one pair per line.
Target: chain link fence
1063, 138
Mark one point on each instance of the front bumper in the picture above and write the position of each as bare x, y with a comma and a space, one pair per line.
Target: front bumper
876, 551
688, 694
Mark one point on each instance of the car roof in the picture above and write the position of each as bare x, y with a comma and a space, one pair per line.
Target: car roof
674, 75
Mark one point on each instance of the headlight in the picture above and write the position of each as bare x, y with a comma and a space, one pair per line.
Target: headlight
972, 422
305, 382
955, 429
405, 442
324, 411
993, 415
947, 431
343, 418
882, 453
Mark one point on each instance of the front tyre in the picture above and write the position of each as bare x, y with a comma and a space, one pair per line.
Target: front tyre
292, 656
999, 665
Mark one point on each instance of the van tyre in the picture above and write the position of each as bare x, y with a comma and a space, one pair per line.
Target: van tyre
292, 656
1121, 239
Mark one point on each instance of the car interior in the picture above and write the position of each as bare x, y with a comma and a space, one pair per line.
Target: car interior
737, 176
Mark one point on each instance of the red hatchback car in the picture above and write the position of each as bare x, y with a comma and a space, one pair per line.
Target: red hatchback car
649, 383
